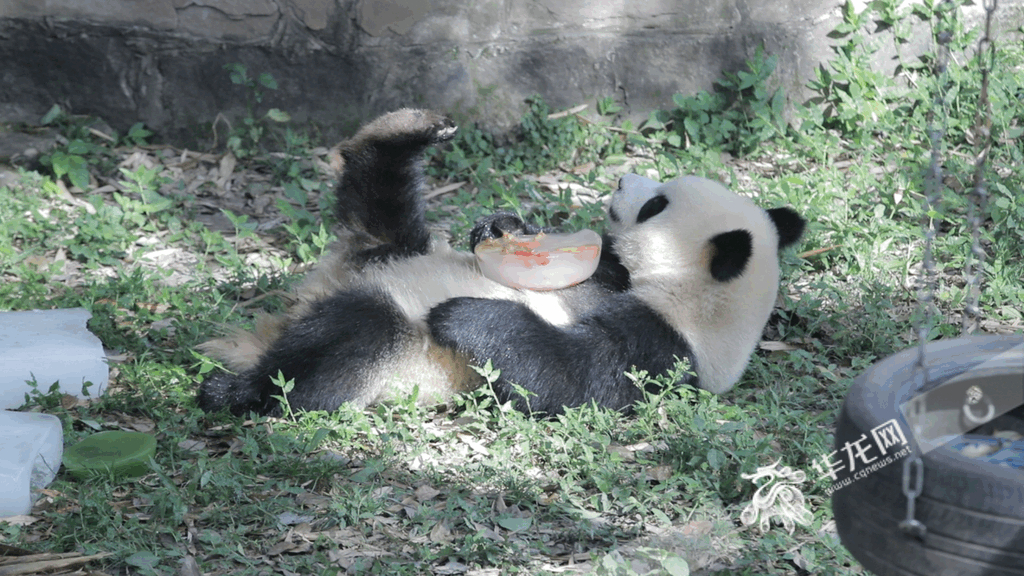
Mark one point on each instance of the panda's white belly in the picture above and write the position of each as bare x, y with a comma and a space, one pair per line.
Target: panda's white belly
418, 284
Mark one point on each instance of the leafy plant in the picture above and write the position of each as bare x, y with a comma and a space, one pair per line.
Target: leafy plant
244, 140
137, 135
738, 117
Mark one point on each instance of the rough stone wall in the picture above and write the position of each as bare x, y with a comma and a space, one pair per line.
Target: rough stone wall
338, 62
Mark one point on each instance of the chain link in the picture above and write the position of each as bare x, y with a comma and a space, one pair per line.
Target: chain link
913, 468
974, 264
936, 120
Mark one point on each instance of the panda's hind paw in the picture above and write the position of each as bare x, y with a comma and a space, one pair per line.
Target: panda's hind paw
407, 126
443, 130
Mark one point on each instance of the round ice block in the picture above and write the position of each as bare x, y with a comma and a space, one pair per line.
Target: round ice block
541, 261
124, 454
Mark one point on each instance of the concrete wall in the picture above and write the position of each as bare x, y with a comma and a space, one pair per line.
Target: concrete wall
338, 62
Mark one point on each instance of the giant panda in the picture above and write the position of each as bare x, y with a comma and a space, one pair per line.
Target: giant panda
688, 271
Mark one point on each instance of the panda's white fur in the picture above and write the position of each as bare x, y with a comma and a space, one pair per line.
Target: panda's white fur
689, 270
418, 284
668, 258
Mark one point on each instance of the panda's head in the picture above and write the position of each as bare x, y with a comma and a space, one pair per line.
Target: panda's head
706, 258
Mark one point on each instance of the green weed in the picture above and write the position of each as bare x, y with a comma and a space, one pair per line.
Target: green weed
245, 139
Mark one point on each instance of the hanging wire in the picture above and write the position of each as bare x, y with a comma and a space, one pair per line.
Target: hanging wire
974, 265
936, 129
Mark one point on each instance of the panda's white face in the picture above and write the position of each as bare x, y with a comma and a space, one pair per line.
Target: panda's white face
705, 258
667, 229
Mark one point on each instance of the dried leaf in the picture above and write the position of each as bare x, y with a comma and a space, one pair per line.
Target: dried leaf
20, 520
426, 492
310, 500
192, 445
226, 168
697, 528
476, 446
776, 346
515, 523
40, 563
137, 424
440, 533
659, 473
189, 567
280, 548
624, 452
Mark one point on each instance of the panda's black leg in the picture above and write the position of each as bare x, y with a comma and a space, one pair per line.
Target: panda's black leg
329, 353
236, 392
380, 191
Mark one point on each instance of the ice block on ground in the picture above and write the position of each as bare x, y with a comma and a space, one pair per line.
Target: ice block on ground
51, 345
31, 446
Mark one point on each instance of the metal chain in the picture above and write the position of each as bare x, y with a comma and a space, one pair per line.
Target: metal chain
936, 120
974, 265
913, 468
911, 525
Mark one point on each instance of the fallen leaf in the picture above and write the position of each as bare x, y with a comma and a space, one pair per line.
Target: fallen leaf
775, 346
426, 492
624, 452
440, 533
226, 168
310, 500
697, 528
192, 445
515, 523
281, 548
659, 473
189, 567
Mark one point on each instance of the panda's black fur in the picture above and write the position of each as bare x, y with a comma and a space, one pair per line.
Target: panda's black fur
688, 271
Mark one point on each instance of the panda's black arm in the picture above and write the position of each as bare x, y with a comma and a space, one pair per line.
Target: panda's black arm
560, 366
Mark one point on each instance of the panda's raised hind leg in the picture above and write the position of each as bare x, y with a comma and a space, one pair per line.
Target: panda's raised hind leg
380, 192
331, 353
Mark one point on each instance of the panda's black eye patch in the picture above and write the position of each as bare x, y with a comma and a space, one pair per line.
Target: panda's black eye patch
651, 208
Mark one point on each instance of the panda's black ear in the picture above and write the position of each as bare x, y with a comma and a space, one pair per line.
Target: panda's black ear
732, 251
789, 225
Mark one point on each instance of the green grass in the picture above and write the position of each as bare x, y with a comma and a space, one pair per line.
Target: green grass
409, 490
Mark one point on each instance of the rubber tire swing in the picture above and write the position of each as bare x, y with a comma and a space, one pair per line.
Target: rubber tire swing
972, 509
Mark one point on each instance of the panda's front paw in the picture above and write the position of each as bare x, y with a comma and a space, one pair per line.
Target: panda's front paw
496, 225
